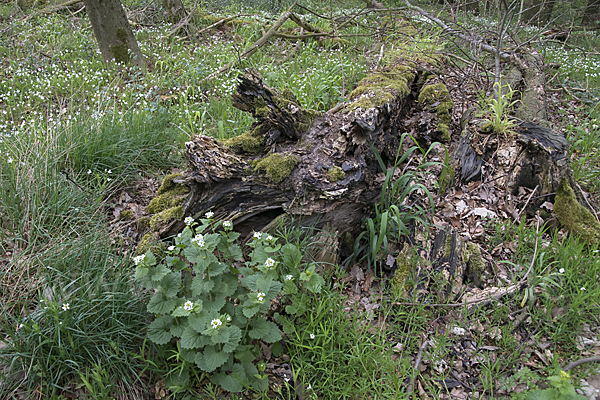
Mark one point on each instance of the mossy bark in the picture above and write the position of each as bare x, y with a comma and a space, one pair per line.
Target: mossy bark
113, 33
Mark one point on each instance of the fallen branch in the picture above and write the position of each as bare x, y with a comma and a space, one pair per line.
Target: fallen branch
220, 22
581, 362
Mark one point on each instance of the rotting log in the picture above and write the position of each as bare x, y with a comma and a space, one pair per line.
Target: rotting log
313, 166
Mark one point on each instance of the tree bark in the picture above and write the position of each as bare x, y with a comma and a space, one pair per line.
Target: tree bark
113, 33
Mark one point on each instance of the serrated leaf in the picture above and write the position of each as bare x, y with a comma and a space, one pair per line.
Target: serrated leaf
219, 335
201, 286
149, 258
178, 326
217, 268
192, 339
214, 305
159, 330
274, 290
199, 321
314, 284
171, 283
244, 353
233, 382
250, 282
235, 336
188, 355
160, 304
250, 309
231, 280
265, 330
158, 272
214, 358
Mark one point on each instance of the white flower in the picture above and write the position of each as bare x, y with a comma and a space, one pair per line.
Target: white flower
188, 220
312, 335
228, 318
269, 263
137, 260
227, 224
171, 248
89, 171
257, 235
583, 289
109, 171
9, 160
209, 214
308, 387
179, 235
289, 277
199, 240
215, 323
260, 296
561, 271
108, 179
270, 238
188, 306
286, 379
65, 306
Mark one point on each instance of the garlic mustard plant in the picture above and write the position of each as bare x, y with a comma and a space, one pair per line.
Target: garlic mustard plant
211, 305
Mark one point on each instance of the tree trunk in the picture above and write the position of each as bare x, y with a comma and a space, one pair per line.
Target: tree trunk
179, 17
113, 33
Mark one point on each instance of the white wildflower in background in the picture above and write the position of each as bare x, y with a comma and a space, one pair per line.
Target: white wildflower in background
171, 248
188, 306
215, 323
312, 335
561, 271
270, 238
139, 259
582, 289
199, 240
308, 387
89, 171
289, 277
228, 318
269, 263
65, 306
227, 224
257, 235
209, 214
188, 221
9, 160
260, 296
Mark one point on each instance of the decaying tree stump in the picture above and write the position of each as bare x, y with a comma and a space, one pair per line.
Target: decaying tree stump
320, 168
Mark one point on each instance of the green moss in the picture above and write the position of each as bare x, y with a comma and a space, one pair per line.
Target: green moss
167, 183
126, 214
398, 282
143, 223
573, 216
164, 217
335, 174
437, 95
475, 263
172, 198
247, 142
151, 241
381, 88
276, 166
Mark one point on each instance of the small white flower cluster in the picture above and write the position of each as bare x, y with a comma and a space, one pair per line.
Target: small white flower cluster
260, 296
269, 263
188, 221
199, 240
289, 277
228, 318
227, 224
171, 248
215, 323
139, 259
312, 335
257, 235
209, 214
188, 306
65, 306
270, 238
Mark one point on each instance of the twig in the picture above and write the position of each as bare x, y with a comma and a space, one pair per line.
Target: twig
220, 22
518, 217
66, 174
410, 387
260, 42
581, 362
